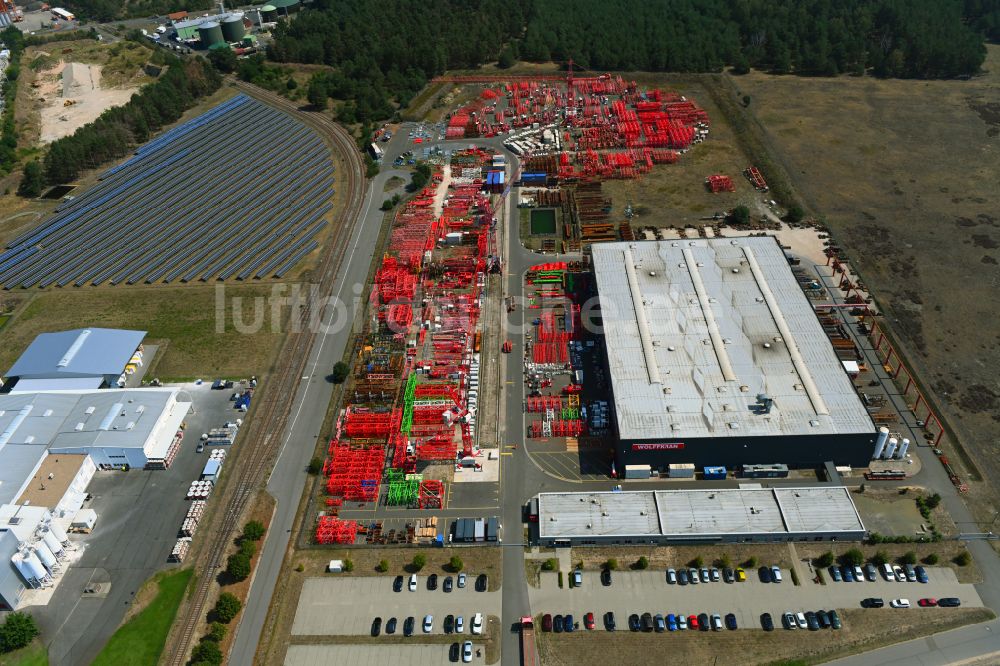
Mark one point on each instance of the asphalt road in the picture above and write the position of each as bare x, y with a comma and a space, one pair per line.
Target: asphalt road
367, 654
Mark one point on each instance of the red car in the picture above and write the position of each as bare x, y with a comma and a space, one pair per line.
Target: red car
588, 621
927, 602
692, 622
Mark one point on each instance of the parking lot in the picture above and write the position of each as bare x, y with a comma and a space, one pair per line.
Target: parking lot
367, 654
347, 606
648, 591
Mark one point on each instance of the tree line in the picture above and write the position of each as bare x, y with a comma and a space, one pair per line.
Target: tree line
117, 131
112, 10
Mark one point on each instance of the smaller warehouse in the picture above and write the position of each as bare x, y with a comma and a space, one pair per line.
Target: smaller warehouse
759, 515
81, 359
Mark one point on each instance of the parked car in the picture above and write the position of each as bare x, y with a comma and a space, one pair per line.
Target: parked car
900, 603
704, 623
766, 623
199, 448
449, 624
408, 626
461, 580
911, 573
467, 652
390, 626
693, 622
454, 653
741, 575
609, 621
413, 583
672, 577
764, 574
547, 622
682, 623
376, 626
588, 621
693, 575
800, 619
397, 584
432, 582
848, 574
577, 578
834, 619
824, 619
716, 622
568, 624
682, 577
927, 602
659, 624
633, 622
859, 574
776, 574
872, 602
811, 621
871, 573
900, 574
446, 586
728, 575
949, 602
887, 572
481, 583
921, 574
606, 577
788, 620
714, 574
459, 624
835, 574
477, 624
557, 623
731, 621
647, 622
428, 624
671, 622
705, 575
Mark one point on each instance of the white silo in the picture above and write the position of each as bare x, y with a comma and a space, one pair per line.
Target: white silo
35, 567
891, 448
883, 437
17, 559
903, 448
52, 542
44, 555
58, 533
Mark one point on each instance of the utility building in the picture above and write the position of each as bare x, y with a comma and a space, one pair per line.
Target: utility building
716, 357
84, 358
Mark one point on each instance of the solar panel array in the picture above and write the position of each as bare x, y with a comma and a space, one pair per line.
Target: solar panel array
240, 191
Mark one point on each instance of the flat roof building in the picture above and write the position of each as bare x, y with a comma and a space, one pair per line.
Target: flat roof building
716, 357
85, 358
697, 516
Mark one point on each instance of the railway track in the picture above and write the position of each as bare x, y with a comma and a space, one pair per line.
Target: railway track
263, 434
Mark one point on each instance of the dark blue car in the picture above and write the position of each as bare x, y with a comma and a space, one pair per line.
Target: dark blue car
568, 623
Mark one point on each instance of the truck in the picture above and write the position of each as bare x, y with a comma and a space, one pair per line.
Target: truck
529, 657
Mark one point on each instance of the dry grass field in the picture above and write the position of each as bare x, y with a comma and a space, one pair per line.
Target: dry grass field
905, 174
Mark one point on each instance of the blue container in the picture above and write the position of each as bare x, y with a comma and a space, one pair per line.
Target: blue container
712, 473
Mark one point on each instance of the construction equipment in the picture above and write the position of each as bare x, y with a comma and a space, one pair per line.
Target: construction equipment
508, 346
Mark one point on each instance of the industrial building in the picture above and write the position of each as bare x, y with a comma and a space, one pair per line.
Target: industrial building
716, 357
759, 515
33, 548
212, 30
81, 359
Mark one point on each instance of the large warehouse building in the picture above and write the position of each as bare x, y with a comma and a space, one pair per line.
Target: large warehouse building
763, 515
716, 357
81, 359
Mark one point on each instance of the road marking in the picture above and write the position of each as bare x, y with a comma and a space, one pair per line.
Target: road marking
506, 453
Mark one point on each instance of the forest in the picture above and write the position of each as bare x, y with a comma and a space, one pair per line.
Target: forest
113, 10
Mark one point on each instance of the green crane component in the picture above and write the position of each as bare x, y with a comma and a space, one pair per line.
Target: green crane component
403, 493
411, 389
393, 475
570, 413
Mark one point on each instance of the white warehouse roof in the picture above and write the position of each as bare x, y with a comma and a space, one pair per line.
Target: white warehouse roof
84, 352
694, 514
696, 329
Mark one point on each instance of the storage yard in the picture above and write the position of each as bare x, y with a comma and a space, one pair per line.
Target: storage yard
196, 203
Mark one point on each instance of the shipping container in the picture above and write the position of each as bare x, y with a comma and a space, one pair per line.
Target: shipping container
712, 473
681, 471
638, 471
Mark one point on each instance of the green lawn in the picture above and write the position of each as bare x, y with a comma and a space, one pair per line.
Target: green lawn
33, 655
140, 640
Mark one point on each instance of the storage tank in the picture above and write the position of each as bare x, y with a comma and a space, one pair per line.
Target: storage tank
903, 448
52, 542
268, 14
891, 448
210, 33
22, 567
232, 28
883, 437
285, 7
34, 566
58, 533
44, 555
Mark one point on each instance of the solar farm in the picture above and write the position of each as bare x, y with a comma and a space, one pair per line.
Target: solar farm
238, 192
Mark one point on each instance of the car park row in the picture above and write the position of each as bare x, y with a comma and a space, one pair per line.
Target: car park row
452, 624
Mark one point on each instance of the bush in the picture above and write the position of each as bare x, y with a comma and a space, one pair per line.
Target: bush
853, 557
382, 566
825, 560
227, 607
300, 568
386, 205
216, 632
739, 215
560, 579
348, 566
254, 530
19, 630
315, 466
880, 557
751, 562
456, 563
611, 564
33, 181
550, 564
207, 652
238, 566
419, 561
933, 501
248, 548
931, 559
697, 562
340, 372
909, 557
963, 559
724, 562
795, 213
642, 563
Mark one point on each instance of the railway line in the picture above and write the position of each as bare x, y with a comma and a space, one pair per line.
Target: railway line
262, 436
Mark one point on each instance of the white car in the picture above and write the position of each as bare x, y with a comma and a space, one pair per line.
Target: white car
800, 619
467, 652
413, 583
428, 624
900, 603
477, 623
459, 625
900, 574
788, 619
776, 574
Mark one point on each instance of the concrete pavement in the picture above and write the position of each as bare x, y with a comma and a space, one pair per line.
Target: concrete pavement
367, 654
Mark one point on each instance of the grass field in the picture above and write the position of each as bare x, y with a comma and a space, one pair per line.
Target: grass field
140, 640
182, 319
33, 655
543, 221
859, 634
905, 174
